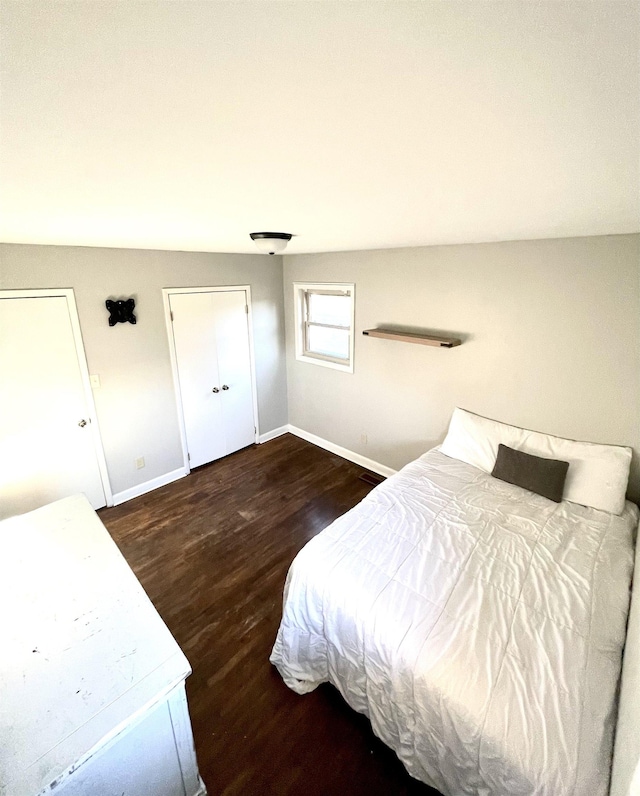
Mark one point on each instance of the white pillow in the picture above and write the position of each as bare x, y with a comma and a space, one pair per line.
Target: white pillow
598, 474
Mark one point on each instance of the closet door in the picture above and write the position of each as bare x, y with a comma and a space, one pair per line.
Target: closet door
234, 364
47, 447
211, 340
194, 335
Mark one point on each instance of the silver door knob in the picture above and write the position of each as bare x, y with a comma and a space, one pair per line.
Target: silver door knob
225, 387
215, 389
82, 423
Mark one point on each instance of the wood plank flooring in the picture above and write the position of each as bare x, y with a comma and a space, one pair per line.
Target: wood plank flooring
212, 551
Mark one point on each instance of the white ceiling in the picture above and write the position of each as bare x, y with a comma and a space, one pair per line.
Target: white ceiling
187, 125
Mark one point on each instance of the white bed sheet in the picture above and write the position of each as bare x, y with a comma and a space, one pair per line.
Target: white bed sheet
479, 626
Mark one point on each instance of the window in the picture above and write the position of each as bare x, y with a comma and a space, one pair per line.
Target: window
324, 324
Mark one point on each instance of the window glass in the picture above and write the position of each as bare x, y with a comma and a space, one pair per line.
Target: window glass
324, 323
332, 310
328, 342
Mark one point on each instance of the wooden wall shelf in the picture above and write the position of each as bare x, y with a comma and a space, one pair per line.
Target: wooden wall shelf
410, 337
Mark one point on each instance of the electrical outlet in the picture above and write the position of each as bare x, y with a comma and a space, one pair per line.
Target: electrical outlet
363, 439
95, 381
140, 462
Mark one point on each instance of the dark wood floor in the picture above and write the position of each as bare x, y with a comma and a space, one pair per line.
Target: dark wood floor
212, 551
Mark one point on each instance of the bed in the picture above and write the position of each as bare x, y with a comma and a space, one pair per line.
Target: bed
478, 625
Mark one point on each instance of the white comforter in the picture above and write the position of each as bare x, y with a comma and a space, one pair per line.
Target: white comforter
479, 627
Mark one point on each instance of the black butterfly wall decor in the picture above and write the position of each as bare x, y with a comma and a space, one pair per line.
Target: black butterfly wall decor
120, 311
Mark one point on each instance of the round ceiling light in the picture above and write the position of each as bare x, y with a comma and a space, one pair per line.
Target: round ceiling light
271, 242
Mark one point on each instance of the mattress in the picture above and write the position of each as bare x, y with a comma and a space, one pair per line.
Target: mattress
479, 626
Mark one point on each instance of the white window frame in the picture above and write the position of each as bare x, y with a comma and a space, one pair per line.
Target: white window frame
300, 292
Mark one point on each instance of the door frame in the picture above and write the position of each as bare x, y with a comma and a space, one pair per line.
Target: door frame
72, 308
167, 292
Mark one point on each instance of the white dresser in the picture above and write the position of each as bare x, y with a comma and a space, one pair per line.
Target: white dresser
92, 697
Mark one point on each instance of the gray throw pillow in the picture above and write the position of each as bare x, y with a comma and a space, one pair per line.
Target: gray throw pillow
545, 477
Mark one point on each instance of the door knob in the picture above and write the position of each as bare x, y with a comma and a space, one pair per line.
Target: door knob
215, 389
225, 387
82, 423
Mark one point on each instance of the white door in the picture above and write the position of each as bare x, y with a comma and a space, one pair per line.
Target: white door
211, 338
46, 443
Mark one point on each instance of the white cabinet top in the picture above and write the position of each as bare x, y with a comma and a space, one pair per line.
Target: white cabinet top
83, 651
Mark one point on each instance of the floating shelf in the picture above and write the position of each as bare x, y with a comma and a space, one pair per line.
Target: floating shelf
410, 337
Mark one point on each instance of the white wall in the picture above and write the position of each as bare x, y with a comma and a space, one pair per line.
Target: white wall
551, 334
551, 341
135, 404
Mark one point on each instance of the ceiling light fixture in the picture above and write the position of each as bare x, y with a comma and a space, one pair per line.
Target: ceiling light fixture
271, 242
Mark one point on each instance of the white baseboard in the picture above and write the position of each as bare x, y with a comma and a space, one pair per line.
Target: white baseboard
276, 432
149, 486
356, 458
174, 475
